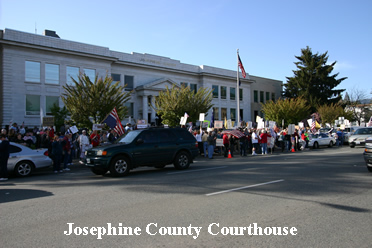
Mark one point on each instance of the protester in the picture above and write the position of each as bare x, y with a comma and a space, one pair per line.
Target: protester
205, 143
84, 145
57, 151
4, 156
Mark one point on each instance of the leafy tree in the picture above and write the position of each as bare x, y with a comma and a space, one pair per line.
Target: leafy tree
330, 112
290, 110
60, 115
172, 104
89, 101
313, 80
357, 103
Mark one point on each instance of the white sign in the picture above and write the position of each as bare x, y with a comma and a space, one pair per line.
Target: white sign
183, 120
74, 129
218, 124
272, 124
219, 142
229, 124
260, 125
249, 124
97, 127
291, 129
201, 117
301, 124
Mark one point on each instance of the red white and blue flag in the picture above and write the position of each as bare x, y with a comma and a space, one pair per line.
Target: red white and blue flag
114, 122
313, 125
240, 64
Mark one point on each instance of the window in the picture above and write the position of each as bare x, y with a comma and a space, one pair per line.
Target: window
215, 91
262, 97
216, 113
32, 72
129, 106
51, 74
193, 87
115, 78
91, 73
232, 93
273, 97
183, 84
49, 103
267, 96
72, 73
255, 96
232, 114
166, 136
223, 92
129, 83
240, 94
32, 105
241, 114
223, 113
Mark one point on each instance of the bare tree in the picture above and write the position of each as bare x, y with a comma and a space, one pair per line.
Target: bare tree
358, 102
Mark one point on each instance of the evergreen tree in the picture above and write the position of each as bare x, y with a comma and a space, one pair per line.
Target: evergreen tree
89, 102
313, 80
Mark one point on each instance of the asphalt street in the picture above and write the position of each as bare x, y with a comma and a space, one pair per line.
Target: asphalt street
315, 198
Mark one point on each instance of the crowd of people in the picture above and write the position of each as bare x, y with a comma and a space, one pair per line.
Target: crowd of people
255, 141
63, 146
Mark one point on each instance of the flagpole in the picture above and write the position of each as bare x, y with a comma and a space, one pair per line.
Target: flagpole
237, 89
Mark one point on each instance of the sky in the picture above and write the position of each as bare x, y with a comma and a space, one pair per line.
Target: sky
269, 34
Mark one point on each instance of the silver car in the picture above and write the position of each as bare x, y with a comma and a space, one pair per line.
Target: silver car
24, 160
321, 139
358, 138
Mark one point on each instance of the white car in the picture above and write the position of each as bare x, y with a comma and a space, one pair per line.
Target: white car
321, 139
24, 160
359, 136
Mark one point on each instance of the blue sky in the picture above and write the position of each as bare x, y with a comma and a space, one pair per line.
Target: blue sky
269, 34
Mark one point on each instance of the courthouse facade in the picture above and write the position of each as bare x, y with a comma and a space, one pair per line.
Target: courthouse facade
34, 69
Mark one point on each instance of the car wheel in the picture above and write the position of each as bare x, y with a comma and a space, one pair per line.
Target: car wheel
182, 161
369, 169
98, 171
119, 166
352, 145
23, 169
316, 145
330, 144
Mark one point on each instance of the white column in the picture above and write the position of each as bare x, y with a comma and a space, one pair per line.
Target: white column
153, 113
145, 107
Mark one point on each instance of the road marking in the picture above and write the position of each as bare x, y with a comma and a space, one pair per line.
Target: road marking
178, 172
245, 187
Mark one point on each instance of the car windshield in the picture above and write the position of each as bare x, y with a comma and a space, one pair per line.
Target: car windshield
129, 137
363, 131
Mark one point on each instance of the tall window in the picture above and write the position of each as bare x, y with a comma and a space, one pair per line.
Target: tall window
223, 92
241, 114
91, 73
232, 93
262, 97
129, 106
255, 96
267, 96
32, 105
233, 114
215, 91
183, 84
223, 113
216, 113
51, 74
240, 94
32, 71
49, 103
72, 72
129, 82
193, 87
273, 97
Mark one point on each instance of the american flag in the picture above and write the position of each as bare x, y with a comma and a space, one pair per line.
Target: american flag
313, 125
240, 64
114, 122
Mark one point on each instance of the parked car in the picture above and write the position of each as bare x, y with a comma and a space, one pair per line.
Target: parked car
155, 147
349, 131
321, 139
24, 160
368, 154
359, 136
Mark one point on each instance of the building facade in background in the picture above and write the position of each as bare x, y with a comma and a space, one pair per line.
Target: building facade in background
34, 69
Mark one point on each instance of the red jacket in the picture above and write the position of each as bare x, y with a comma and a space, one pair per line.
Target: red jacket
264, 136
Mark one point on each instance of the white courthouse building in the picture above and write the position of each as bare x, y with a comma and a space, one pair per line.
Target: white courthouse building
34, 69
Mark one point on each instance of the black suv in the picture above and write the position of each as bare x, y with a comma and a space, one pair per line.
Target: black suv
155, 147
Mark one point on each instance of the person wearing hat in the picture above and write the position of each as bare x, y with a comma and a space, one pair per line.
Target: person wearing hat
84, 145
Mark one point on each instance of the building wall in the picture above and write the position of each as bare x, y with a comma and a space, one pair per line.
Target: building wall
149, 71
